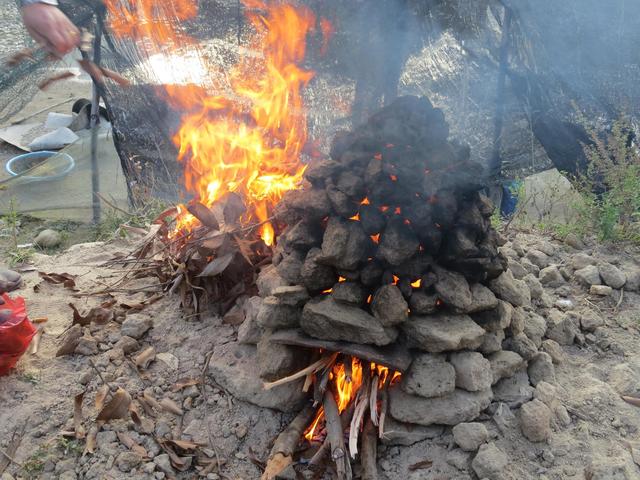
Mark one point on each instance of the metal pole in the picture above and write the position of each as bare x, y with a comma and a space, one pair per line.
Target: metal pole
94, 123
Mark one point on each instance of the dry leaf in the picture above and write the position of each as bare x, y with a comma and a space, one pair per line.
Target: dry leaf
70, 341
144, 424
275, 465
97, 315
235, 316
144, 358
93, 70
65, 279
101, 394
217, 266
128, 442
179, 463
91, 443
148, 409
203, 213
244, 245
632, 400
214, 240
184, 445
153, 403
77, 416
421, 465
117, 407
116, 77
184, 383
171, 406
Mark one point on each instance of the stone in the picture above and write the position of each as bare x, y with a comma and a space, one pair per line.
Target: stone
87, 345
561, 328
326, 319
573, 241
521, 345
589, 275
349, 292
633, 278
538, 258
127, 461
511, 290
590, 320
249, 331
127, 344
530, 267
429, 376
233, 366
290, 267
514, 390
535, 327
624, 380
546, 393
303, 235
405, 434
612, 275
275, 361
469, 436
482, 299
345, 244
316, 276
450, 409
554, 350
163, 463
581, 260
497, 319
489, 462
517, 269
442, 332
505, 364
48, 239
600, 290
389, 306
535, 287
398, 242
461, 460
136, 325
275, 315
535, 421
518, 319
551, 277
547, 248
268, 280
541, 369
609, 469
453, 289
492, 342
473, 371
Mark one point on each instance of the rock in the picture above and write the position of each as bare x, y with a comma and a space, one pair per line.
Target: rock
535, 421
345, 244
521, 345
127, 344
164, 464
450, 409
489, 462
290, 267
87, 345
514, 390
275, 315
505, 364
443, 332
429, 376
561, 328
350, 292
127, 461
497, 319
492, 342
473, 371
530, 267
517, 269
249, 331
574, 241
611, 275
589, 275
511, 290
268, 280
547, 248
316, 276
398, 433
546, 393
275, 361
554, 350
590, 320
461, 460
624, 380
136, 325
541, 369
295, 296
423, 303
389, 306
608, 469
538, 258
469, 436
535, 328
48, 239
601, 290
68, 475
398, 242
633, 279
329, 320
535, 287
518, 319
169, 359
233, 366
551, 277
453, 289
581, 260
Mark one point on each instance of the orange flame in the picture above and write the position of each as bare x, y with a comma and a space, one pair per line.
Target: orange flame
365, 201
375, 238
311, 429
395, 280
356, 217
417, 283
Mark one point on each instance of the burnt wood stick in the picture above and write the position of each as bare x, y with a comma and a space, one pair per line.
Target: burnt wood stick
373, 400
369, 452
318, 458
348, 361
320, 386
335, 435
384, 404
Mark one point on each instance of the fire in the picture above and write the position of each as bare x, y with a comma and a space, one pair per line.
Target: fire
417, 283
356, 217
311, 429
375, 238
395, 279
347, 387
365, 201
248, 141
341, 279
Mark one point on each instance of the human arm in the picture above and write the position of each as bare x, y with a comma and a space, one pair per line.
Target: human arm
49, 26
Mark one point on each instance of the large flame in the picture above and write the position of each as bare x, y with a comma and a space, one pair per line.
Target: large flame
250, 140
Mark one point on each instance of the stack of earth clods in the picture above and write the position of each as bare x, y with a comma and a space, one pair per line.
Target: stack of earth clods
389, 255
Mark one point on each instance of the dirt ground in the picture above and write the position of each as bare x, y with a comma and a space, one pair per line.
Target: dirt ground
597, 442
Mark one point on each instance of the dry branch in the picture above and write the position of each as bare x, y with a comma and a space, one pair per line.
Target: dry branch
314, 367
335, 435
368, 457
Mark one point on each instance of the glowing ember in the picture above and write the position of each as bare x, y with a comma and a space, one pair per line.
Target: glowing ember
365, 201
341, 279
395, 280
375, 238
417, 283
356, 217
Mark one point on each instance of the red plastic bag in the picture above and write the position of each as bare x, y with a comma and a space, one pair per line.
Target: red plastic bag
15, 333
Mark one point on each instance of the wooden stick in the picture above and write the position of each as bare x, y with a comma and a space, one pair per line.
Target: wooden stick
348, 366
373, 400
384, 405
314, 367
369, 455
316, 462
321, 385
362, 402
335, 435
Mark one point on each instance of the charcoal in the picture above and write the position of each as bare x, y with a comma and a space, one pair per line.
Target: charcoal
371, 273
345, 245
319, 171
349, 292
485, 205
431, 239
312, 203
415, 266
316, 276
389, 306
351, 184
420, 214
350, 275
429, 279
328, 320
445, 208
372, 220
483, 299
341, 203
290, 267
303, 235
470, 217
496, 319
423, 303
398, 243
404, 285
341, 142
460, 242
439, 158
453, 289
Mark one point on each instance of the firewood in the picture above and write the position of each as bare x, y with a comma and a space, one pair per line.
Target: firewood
282, 452
362, 403
314, 367
335, 434
384, 405
373, 400
368, 457
322, 382
318, 459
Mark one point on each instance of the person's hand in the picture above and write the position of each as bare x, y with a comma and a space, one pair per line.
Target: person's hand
51, 28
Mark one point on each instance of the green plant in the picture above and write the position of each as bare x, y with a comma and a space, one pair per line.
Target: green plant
34, 465
114, 218
70, 447
17, 255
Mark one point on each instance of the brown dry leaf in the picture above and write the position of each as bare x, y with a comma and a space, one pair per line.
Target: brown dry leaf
153, 403
244, 246
184, 383
203, 213
77, 416
91, 443
275, 465
145, 424
101, 394
65, 279
171, 406
93, 70
421, 465
169, 212
128, 442
70, 341
146, 406
184, 444
217, 266
117, 407
179, 463
214, 240
635, 401
97, 315
141, 305
144, 358
116, 77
